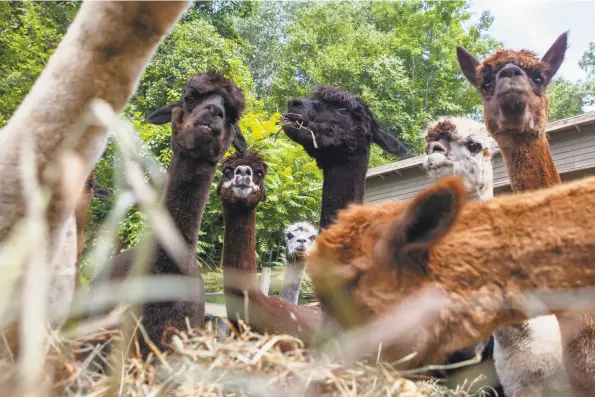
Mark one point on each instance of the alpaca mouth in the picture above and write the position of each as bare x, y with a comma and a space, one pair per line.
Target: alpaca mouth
294, 120
204, 128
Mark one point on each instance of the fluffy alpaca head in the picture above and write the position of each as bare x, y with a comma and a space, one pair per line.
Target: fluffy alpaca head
460, 146
331, 122
242, 180
513, 87
204, 119
298, 239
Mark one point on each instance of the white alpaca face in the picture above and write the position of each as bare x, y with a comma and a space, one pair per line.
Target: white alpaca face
462, 147
299, 238
241, 181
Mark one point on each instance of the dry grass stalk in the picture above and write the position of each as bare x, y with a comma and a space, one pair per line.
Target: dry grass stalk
207, 363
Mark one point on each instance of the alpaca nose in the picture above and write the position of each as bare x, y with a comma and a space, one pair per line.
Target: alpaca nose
243, 174
293, 103
301, 240
436, 147
511, 70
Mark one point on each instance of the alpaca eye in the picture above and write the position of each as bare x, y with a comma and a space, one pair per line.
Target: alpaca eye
538, 80
289, 236
312, 238
474, 147
486, 86
259, 174
228, 172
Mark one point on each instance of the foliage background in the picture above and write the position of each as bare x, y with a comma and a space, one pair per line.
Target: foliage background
398, 56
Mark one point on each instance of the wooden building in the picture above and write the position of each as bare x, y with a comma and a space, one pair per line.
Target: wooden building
572, 144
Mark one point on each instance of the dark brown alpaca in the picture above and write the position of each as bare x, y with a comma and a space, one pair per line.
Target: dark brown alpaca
336, 128
91, 189
513, 87
241, 189
203, 127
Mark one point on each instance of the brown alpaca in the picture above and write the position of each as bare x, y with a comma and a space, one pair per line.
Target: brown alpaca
478, 256
91, 189
241, 189
203, 127
336, 128
513, 88
101, 56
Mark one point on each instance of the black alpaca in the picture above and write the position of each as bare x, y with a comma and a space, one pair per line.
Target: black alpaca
336, 128
203, 127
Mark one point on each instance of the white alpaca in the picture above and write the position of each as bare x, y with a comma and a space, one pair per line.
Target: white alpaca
527, 356
299, 237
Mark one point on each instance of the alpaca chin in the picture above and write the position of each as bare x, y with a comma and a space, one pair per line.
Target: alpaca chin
244, 192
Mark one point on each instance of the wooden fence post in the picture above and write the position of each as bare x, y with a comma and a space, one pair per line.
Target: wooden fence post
265, 280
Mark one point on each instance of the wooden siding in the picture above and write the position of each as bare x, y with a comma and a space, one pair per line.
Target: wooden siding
572, 148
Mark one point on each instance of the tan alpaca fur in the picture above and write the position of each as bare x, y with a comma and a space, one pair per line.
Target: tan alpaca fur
101, 56
480, 255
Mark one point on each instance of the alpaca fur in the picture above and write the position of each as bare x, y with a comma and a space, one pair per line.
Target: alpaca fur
203, 127
298, 239
513, 87
479, 256
240, 190
91, 189
461, 146
101, 56
516, 109
344, 127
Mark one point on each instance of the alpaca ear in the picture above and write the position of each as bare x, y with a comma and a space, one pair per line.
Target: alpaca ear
555, 55
239, 142
162, 115
428, 218
101, 192
388, 143
468, 64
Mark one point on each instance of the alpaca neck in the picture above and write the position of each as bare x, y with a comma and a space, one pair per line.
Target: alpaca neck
186, 194
529, 163
239, 258
292, 280
343, 184
80, 216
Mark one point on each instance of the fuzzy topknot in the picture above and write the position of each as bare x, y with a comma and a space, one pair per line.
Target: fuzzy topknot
441, 127
247, 157
350, 102
213, 82
524, 58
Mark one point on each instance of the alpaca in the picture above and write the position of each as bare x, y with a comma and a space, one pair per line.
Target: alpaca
477, 258
298, 239
91, 189
336, 129
240, 190
513, 88
101, 56
203, 127
461, 146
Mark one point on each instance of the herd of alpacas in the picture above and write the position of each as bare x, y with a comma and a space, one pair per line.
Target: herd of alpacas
459, 262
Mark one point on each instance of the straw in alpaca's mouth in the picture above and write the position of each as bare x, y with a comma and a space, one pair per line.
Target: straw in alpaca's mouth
296, 121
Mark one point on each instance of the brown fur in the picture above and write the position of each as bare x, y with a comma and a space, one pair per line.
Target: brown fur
196, 152
344, 127
441, 128
530, 166
377, 255
91, 189
266, 314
